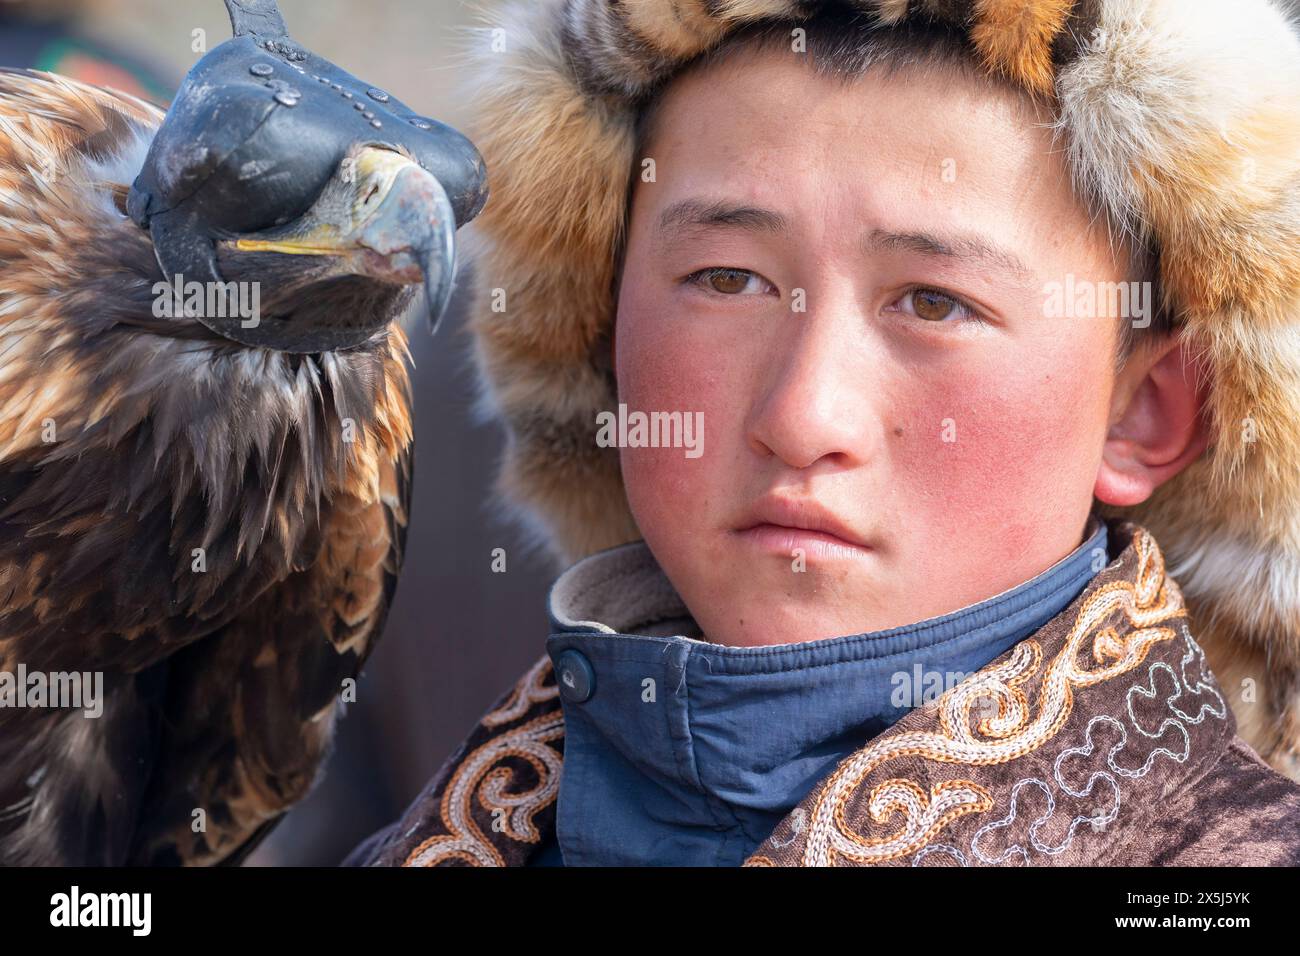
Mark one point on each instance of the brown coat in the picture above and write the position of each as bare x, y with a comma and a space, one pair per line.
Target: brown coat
1101, 740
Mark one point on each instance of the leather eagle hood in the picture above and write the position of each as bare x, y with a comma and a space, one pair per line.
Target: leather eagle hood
1181, 118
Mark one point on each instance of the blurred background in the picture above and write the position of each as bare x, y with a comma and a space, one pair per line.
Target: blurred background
458, 634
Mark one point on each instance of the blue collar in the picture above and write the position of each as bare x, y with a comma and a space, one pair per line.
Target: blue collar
680, 751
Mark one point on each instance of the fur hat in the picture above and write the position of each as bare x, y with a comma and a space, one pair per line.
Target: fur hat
1181, 117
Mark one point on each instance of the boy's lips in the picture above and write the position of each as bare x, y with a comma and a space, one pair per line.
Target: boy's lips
783, 524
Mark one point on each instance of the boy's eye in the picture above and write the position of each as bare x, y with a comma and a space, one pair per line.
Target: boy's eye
935, 306
727, 281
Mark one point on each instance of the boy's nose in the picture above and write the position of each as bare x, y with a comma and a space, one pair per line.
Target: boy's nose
813, 402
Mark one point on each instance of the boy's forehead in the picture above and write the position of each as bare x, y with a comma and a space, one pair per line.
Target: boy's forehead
753, 69
774, 119
750, 123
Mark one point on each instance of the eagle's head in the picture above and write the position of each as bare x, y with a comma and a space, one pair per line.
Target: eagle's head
277, 170
345, 268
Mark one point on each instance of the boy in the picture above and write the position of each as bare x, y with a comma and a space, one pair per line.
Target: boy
891, 605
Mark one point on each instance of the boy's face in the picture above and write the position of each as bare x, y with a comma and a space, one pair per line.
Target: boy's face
956, 446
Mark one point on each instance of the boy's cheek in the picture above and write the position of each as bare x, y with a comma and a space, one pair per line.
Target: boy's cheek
681, 484
670, 367
682, 497
662, 486
996, 454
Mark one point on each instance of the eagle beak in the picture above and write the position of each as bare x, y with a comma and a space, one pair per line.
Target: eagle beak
412, 236
409, 237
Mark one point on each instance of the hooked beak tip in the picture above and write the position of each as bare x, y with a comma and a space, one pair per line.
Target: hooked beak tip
439, 268
417, 224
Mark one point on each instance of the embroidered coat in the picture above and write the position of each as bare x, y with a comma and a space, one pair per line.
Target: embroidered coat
1103, 739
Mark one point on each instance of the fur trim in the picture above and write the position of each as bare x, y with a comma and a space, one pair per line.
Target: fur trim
1179, 117
1014, 37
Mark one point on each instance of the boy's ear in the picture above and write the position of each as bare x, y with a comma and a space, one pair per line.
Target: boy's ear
1157, 422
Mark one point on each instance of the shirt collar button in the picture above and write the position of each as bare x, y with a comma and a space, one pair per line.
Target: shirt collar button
574, 674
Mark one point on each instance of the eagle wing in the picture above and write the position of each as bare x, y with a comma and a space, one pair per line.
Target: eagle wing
249, 712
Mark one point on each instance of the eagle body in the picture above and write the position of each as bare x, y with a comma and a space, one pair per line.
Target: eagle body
216, 529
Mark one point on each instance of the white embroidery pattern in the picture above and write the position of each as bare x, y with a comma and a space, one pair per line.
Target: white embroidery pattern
528, 690
1210, 703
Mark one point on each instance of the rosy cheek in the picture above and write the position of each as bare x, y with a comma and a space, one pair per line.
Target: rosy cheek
990, 452
668, 369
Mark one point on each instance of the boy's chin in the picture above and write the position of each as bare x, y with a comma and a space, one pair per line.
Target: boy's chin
764, 622
763, 606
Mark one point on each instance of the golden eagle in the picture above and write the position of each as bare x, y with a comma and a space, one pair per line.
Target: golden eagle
213, 527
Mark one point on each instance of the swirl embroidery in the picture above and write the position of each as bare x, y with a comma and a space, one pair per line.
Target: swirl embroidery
483, 774
531, 689
1188, 683
1147, 602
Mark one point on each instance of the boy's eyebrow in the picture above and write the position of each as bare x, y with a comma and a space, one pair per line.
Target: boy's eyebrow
697, 213
703, 213
954, 246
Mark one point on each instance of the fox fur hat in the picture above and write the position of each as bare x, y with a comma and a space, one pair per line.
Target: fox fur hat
1181, 117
